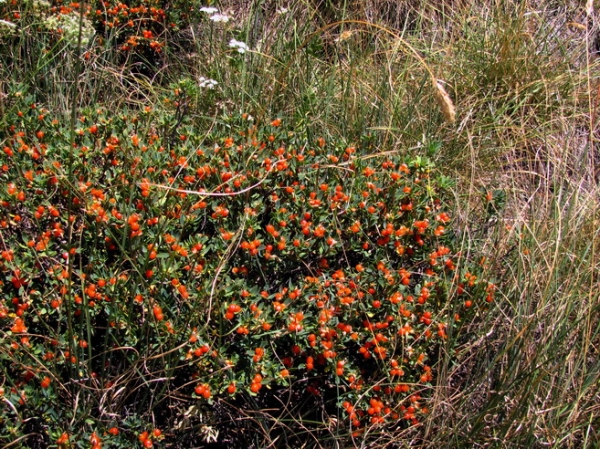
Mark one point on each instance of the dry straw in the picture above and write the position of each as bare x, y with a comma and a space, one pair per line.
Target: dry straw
589, 7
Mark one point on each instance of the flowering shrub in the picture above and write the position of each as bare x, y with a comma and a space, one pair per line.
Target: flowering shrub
147, 265
137, 32
141, 27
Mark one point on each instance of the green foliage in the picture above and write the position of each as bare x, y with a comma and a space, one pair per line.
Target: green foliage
249, 259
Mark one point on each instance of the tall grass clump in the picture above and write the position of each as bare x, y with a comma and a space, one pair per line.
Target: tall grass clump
310, 224
530, 377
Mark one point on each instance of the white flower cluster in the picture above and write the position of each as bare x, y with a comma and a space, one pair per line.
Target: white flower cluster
7, 28
41, 5
68, 26
214, 14
207, 83
240, 46
209, 9
219, 18
6, 23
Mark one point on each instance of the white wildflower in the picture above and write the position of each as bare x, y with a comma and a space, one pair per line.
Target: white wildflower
7, 29
219, 18
240, 46
282, 11
209, 9
7, 23
68, 26
207, 83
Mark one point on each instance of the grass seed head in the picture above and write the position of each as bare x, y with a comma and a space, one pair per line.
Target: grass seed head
445, 102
